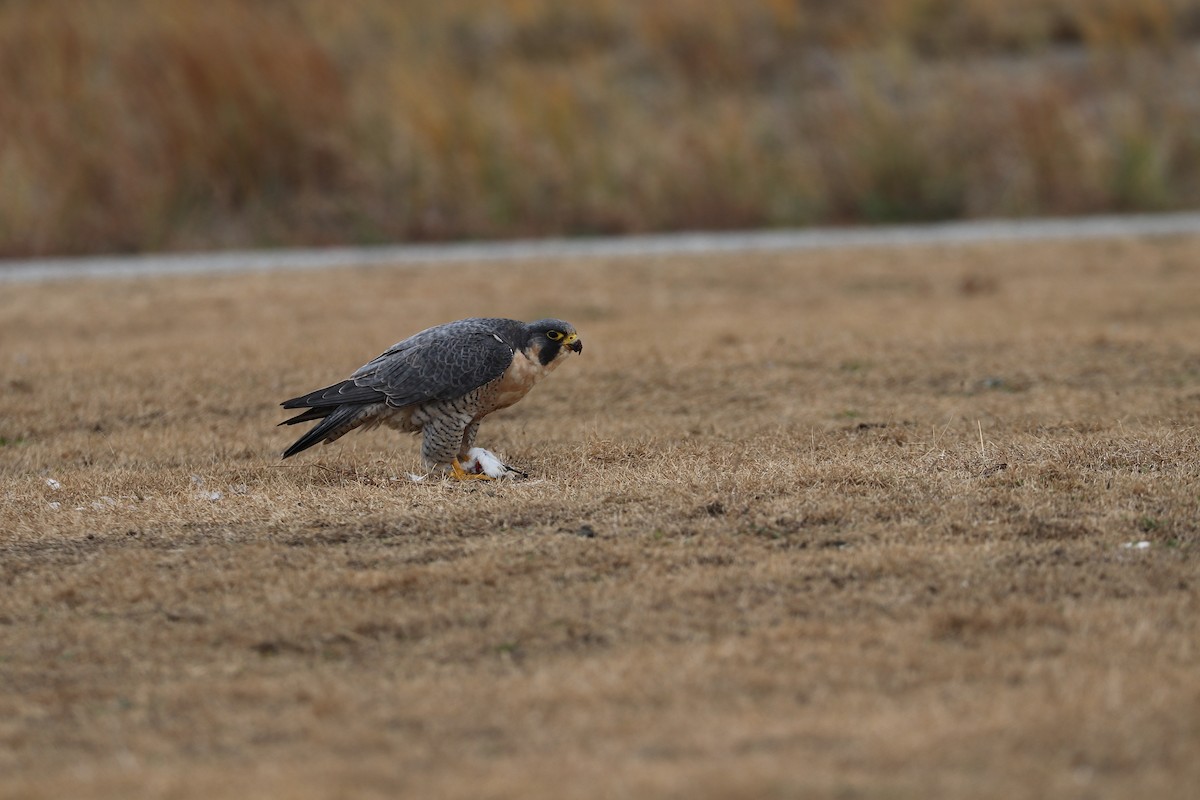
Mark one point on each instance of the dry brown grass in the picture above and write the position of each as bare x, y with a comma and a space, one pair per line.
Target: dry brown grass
826, 524
138, 125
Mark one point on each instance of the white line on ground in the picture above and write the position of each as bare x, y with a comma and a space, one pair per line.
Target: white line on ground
945, 233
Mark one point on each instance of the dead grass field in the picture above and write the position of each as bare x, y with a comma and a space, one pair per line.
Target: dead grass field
832, 524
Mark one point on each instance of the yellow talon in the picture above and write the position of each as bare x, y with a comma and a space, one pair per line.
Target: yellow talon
461, 474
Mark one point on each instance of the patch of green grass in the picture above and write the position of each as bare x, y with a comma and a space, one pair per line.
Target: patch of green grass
1148, 524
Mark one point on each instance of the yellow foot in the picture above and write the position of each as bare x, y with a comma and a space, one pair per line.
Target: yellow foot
461, 474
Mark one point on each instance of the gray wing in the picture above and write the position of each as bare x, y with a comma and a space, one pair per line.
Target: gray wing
439, 363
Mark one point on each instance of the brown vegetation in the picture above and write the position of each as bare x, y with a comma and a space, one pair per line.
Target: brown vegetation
858, 523
139, 125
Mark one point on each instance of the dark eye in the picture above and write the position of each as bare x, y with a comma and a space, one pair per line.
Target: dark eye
554, 336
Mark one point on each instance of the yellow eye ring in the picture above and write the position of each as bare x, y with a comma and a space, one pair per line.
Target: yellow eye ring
554, 336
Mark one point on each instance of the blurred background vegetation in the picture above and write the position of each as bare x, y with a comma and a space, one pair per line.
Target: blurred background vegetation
130, 125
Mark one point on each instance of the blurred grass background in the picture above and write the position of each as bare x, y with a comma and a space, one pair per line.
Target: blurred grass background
131, 125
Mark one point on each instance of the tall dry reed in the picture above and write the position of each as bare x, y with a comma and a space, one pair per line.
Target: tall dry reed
138, 125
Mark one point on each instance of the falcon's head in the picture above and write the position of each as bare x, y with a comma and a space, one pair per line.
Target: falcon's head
551, 340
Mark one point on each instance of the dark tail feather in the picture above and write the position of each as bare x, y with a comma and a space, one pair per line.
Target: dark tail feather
341, 408
310, 414
334, 418
346, 392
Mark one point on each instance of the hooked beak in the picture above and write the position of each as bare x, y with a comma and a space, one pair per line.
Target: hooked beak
574, 343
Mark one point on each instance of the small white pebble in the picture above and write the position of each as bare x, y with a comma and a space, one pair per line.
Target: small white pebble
1142, 545
53, 484
214, 496
56, 506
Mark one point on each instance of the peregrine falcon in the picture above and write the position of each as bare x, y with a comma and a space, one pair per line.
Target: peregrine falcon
441, 383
